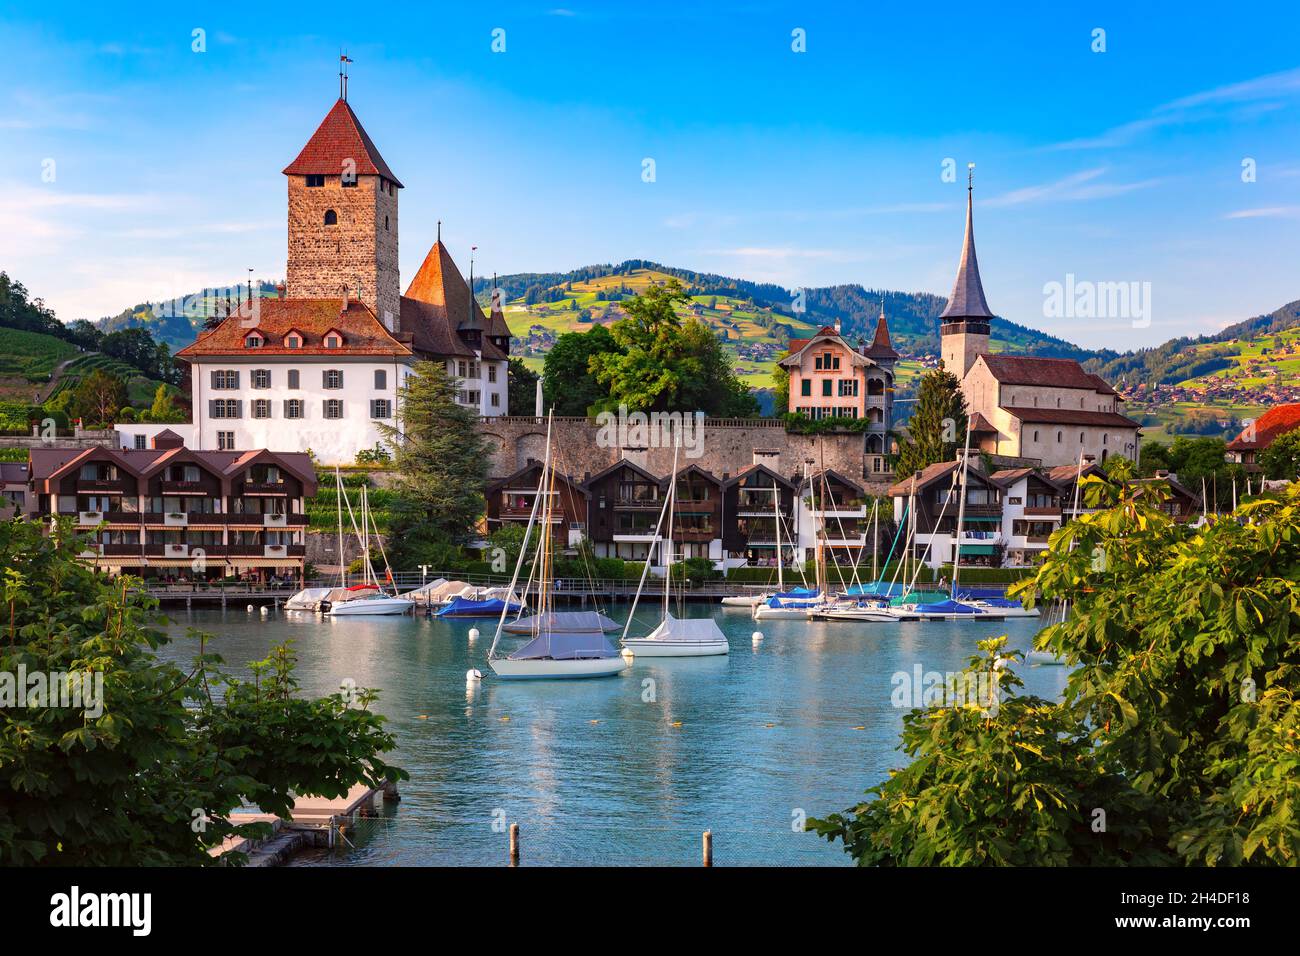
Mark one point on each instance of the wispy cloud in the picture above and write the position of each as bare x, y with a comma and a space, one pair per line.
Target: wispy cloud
1265, 212
1254, 93
1076, 187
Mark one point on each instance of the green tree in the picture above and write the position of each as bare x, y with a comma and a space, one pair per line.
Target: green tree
440, 459
937, 428
1281, 459
665, 364
521, 396
1179, 719
97, 398
164, 407
568, 385
780, 391
148, 772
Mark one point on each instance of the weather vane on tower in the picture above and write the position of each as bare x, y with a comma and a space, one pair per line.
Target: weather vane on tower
344, 60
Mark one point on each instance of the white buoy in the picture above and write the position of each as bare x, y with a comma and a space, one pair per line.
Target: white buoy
472, 675
250, 609
627, 652
265, 610
473, 633
758, 636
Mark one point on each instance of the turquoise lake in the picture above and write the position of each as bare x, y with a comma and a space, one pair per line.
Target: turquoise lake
626, 770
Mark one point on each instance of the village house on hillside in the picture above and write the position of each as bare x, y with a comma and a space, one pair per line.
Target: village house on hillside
1259, 434
319, 367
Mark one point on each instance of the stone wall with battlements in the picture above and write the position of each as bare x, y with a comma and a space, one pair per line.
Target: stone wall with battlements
728, 446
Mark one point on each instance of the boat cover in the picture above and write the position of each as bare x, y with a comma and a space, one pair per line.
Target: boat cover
981, 594
565, 646
875, 589
464, 607
797, 593
997, 602
694, 630
919, 597
946, 607
338, 595
777, 602
574, 622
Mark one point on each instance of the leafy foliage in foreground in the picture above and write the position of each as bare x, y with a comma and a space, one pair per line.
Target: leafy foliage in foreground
153, 778
1179, 722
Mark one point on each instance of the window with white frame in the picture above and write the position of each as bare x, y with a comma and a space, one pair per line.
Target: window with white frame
333, 408
293, 408
332, 378
261, 408
261, 377
225, 441
381, 408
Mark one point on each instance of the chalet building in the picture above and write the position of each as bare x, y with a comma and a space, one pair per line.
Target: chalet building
934, 495
623, 511
510, 502
319, 367
1033, 508
829, 378
833, 508
1047, 409
697, 515
751, 503
1010, 514
172, 511
1259, 434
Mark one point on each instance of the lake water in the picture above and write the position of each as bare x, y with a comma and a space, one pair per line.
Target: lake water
625, 770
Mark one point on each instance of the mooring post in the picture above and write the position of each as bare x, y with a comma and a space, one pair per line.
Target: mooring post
514, 844
708, 848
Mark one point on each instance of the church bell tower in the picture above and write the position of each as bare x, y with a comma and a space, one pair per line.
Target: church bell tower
964, 324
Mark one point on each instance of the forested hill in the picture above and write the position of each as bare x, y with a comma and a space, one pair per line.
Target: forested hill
913, 316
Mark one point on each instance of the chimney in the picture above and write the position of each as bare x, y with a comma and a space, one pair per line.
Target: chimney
345, 297
279, 291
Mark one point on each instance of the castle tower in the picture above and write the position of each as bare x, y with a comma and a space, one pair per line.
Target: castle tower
964, 324
343, 218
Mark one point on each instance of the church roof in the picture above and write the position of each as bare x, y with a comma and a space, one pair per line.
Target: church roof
340, 137
1047, 372
880, 346
312, 319
967, 299
1070, 416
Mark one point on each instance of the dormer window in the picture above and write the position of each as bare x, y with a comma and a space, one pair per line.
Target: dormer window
333, 340
331, 217
254, 340
293, 339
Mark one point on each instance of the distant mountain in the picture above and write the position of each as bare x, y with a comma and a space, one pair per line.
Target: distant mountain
180, 320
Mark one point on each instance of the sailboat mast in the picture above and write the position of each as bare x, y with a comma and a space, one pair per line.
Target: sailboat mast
961, 510
668, 540
776, 513
523, 550
875, 542
338, 500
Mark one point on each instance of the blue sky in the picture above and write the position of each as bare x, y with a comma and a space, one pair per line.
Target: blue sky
800, 168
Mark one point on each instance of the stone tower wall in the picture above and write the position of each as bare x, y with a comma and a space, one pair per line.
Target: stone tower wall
359, 250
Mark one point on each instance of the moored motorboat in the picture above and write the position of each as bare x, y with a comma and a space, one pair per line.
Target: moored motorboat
308, 599
471, 608
873, 612
378, 603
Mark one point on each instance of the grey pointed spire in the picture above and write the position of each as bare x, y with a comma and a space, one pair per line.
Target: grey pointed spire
967, 299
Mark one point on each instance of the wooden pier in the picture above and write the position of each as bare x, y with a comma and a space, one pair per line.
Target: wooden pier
313, 822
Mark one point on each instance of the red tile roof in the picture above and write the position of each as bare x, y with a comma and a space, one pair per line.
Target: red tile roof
340, 137
1048, 372
980, 425
1274, 422
1070, 416
363, 333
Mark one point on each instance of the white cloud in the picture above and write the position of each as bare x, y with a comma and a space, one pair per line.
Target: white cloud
1265, 212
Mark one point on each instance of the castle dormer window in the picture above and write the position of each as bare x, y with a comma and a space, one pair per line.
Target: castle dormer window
254, 340
331, 217
333, 340
315, 181
293, 339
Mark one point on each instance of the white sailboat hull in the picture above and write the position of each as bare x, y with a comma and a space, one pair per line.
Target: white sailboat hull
870, 614
910, 613
744, 600
370, 606
1006, 611
649, 647
764, 613
545, 669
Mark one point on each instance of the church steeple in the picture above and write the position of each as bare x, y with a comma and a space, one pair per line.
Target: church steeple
964, 324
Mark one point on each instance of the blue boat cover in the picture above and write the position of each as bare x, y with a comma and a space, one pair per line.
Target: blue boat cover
999, 602
981, 594
777, 602
946, 607
465, 607
563, 646
875, 589
797, 593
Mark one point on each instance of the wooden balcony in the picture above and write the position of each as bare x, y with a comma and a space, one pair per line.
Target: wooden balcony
183, 488
1053, 511
266, 488
106, 486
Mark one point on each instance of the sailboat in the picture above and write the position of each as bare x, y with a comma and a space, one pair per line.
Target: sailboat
556, 648
674, 637
750, 601
367, 601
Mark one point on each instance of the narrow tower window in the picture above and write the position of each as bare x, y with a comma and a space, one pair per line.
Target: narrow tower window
331, 217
